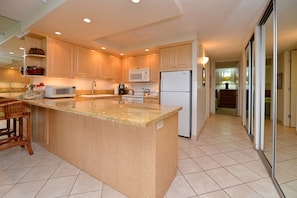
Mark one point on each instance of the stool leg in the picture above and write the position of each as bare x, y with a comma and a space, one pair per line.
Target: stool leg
20, 132
28, 134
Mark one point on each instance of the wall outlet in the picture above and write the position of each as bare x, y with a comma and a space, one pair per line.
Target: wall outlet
160, 124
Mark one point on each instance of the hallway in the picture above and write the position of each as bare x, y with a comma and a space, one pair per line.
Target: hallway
222, 163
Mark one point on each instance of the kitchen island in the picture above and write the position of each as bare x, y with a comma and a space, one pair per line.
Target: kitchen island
131, 147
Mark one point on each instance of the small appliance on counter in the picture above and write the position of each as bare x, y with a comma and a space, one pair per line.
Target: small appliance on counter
122, 89
59, 91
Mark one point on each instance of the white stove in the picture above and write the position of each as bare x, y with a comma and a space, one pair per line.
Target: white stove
133, 98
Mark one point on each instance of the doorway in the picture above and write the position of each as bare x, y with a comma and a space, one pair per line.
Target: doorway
226, 91
293, 87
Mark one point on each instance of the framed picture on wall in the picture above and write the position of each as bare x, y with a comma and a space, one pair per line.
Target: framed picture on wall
279, 80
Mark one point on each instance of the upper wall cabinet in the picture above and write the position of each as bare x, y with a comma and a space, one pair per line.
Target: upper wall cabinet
110, 67
60, 59
155, 67
146, 61
90, 63
86, 62
176, 58
35, 52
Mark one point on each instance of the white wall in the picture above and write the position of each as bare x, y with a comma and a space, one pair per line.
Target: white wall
199, 102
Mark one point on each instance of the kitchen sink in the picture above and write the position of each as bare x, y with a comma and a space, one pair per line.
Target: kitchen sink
96, 95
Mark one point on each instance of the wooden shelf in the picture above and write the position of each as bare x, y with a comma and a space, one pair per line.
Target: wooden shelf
35, 55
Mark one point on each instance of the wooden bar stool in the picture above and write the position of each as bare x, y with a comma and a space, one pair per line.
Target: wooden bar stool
5, 131
13, 136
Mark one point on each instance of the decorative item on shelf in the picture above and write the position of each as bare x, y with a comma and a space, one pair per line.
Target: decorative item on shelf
37, 51
34, 70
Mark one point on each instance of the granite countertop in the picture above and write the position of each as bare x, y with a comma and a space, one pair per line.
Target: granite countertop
135, 114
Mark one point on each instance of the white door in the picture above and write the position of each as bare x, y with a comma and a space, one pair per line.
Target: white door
184, 116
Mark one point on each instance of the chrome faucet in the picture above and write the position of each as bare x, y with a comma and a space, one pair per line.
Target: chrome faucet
93, 85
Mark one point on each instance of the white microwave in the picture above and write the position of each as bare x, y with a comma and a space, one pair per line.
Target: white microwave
59, 91
139, 75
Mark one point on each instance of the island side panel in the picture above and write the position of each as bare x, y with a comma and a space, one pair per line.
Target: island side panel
39, 124
123, 156
167, 154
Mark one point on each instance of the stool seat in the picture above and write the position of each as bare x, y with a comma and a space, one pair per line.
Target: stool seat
16, 111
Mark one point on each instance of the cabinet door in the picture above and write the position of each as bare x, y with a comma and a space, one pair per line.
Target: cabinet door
118, 69
167, 58
151, 100
143, 61
60, 58
125, 70
87, 62
107, 65
183, 56
132, 62
154, 66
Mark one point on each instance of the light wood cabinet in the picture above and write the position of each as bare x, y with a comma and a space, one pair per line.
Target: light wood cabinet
86, 62
107, 67
138, 62
176, 58
60, 59
118, 69
12, 75
155, 68
110, 67
143, 61
125, 70
150, 61
132, 62
151, 100
18, 77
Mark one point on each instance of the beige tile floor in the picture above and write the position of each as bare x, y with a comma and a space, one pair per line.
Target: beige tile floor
222, 163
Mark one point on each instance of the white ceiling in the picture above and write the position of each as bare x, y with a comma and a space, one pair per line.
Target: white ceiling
223, 27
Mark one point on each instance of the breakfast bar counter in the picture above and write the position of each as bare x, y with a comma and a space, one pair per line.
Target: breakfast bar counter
127, 113
130, 147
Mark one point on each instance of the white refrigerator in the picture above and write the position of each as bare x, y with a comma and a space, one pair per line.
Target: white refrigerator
176, 91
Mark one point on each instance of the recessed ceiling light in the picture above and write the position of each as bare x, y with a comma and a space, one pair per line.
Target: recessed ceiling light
122, 54
87, 20
21, 48
103, 48
11, 53
147, 50
135, 1
58, 33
